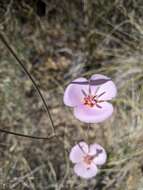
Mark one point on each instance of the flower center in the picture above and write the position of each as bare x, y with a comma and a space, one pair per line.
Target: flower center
88, 159
90, 100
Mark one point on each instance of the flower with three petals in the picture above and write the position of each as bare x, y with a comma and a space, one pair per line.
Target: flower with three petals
87, 159
89, 98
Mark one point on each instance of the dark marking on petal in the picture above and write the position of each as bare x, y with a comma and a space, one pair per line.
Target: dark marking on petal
97, 90
101, 94
99, 151
99, 81
92, 82
98, 106
83, 92
89, 89
81, 148
81, 83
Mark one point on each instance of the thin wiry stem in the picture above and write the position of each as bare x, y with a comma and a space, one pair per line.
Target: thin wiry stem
27, 136
5, 41
88, 130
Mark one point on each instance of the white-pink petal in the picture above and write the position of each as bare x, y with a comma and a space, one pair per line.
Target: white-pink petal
85, 172
101, 157
78, 152
98, 76
73, 95
92, 149
93, 114
109, 88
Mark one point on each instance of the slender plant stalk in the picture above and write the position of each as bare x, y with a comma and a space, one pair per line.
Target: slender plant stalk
6, 43
88, 130
28, 136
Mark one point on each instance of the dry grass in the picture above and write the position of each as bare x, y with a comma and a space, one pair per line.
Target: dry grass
72, 39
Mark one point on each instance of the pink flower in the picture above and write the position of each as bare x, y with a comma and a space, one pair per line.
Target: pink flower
89, 98
86, 159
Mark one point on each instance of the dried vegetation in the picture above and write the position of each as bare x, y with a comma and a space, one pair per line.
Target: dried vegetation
58, 41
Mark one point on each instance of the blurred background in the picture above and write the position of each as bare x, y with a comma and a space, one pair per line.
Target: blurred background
59, 40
